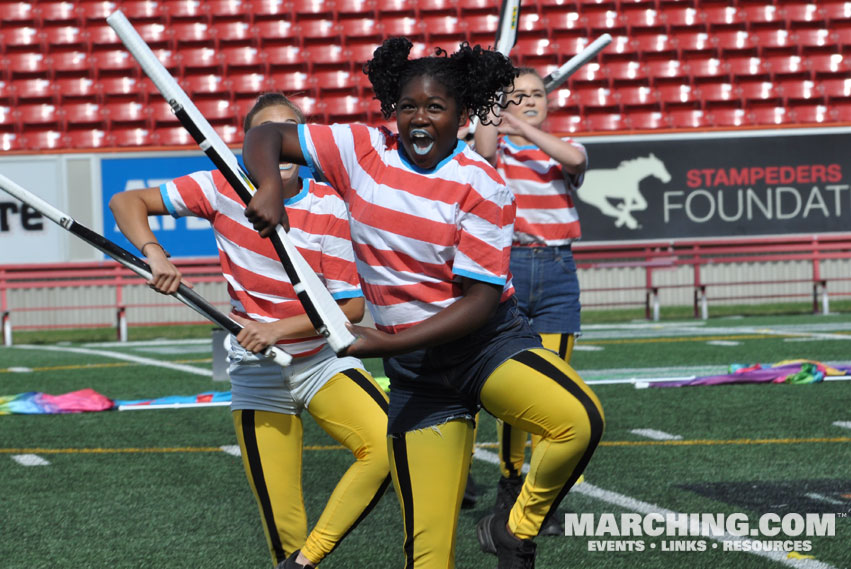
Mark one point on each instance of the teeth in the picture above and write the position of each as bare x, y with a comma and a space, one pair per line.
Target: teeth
286, 167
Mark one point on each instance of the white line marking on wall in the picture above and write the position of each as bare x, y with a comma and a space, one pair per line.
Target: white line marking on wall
232, 450
634, 505
125, 357
656, 435
29, 460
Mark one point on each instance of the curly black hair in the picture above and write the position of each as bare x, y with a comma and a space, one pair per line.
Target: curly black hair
473, 76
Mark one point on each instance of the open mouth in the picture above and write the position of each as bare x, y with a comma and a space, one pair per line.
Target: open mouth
531, 113
285, 167
421, 141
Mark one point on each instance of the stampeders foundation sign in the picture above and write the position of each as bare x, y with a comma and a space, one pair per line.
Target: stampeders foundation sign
716, 185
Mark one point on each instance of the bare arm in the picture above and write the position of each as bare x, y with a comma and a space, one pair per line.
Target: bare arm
485, 137
463, 317
571, 159
264, 148
257, 336
131, 210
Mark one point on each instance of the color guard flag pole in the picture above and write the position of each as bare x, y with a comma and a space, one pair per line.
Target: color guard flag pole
555, 79
324, 312
184, 294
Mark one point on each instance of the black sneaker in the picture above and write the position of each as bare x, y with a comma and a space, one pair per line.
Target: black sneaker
507, 490
471, 493
554, 525
512, 553
290, 562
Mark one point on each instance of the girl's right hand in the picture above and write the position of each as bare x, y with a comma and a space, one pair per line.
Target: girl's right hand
266, 210
166, 277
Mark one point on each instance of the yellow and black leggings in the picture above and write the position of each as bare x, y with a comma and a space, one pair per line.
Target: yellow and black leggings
535, 391
511, 440
351, 408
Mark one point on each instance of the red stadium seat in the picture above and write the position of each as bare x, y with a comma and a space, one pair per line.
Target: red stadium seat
623, 73
360, 54
288, 82
229, 10
229, 34
688, 118
37, 90
773, 42
217, 111
10, 141
81, 89
447, 29
156, 34
737, 43
361, 30
342, 108
363, 9
39, 115
101, 37
661, 71
648, 120
762, 16
337, 82
276, 32
609, 21
169, 59
760, 94
695, 44
841, 113
585, 5
43, 139
565, 100
207, 85
653, 46
395, 7
7, 118
161, 115
124, 137
837, 90
803, 14
411, 28
674, 96
311, 9
142, 10
469, 7
87, 138
770, 115
57, 13
553, 6
70, 64
605, 121
564, 123
812, 41
112, 89
185, 10
787, 67
94, 12
708, 70
83, 116
720, 17
327, 57
7, 93
242, 58
532, 52
269, 10
439, 7
748, 68
638, 98
811, 114
644, 20
683, 18
19, 13
796, 93
285, 57
172, 136
822, 66
835, 12
566, 25
64, 37
126, 114
307, 104
244, 86
23, 37
199, 60
322, 32
191, 34
590, 74
729, 117
481, 29
27, 64
114, 62
715, 95
596, 99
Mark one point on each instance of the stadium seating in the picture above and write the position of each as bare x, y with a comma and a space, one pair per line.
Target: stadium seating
673, 63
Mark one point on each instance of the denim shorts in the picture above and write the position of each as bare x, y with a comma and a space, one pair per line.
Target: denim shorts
434, 385
547, 288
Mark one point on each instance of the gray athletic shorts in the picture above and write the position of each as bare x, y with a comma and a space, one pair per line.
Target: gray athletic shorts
260, 384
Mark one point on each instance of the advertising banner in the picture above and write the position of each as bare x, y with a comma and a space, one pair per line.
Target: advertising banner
735, 185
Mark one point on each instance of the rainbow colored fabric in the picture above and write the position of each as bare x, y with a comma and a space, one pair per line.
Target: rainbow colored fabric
798, 372
88, 400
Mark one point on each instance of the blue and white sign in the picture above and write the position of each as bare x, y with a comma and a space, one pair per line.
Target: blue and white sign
183, 237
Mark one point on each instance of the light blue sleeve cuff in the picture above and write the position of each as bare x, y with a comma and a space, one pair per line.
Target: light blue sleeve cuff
302, 140
343, 294
479, 277
167, 200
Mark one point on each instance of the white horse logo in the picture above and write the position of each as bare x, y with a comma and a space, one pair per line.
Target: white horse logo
621, 183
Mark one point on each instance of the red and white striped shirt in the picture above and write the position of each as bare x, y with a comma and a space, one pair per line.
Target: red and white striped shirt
257, 283
545, 211
415, 232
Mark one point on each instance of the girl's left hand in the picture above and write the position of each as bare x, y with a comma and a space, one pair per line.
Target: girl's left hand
370, 342
255, 336
510, 125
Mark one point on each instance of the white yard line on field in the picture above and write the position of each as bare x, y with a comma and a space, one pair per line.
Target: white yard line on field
125, 357
634, 505
656, 435
29, 460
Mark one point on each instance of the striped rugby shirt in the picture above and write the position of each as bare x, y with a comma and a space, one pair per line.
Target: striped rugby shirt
415, 232
545, 212
257, 283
